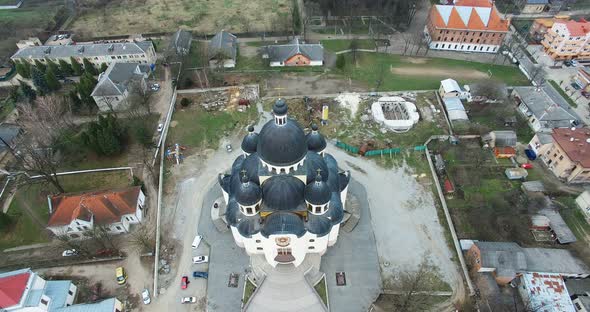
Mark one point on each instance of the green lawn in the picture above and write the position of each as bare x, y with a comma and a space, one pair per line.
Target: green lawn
30, 230
423, 73
569, 100
250, 288
336, 45
573, 217
322, 290
196, 55
195, 128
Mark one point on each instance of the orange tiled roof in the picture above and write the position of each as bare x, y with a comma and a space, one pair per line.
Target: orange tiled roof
575, 143
106, 206
579, 28
469, 14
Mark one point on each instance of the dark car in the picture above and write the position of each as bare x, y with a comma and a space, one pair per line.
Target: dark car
198, 274
576, 86
568, 63
184, 282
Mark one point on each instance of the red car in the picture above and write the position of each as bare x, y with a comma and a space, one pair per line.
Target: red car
184, 282
527, 166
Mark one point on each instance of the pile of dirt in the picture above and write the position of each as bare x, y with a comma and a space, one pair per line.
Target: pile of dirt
350, 101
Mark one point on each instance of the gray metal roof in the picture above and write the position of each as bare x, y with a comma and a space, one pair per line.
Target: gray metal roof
318, 224
507, 258
58, 292
533, 186
578, 286
502, 138
558, 225
8, 132
283, 193
102, 306
181, 41
537, 1
249, 225
247, 193
223, 42
282, 52
115, 80
545, 138
317, 192
553, 261
83, 50
546, 104
283, 223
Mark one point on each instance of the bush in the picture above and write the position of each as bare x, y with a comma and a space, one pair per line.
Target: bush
5, 222
185, 102
340, 61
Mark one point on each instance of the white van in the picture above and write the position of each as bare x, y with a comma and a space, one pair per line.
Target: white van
197, 241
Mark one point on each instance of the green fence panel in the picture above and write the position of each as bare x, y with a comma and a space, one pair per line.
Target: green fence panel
420, 148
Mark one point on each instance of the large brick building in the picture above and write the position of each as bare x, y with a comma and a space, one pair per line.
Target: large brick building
468, 25
568, 40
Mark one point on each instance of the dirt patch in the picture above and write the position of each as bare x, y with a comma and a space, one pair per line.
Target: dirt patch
439, 72
173, 123
415, 60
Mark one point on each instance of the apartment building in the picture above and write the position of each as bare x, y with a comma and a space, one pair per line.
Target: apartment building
568, 156
541, 26
96, 53
567, 40
468, 25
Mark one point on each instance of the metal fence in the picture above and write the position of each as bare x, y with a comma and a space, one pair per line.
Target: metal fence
381, 152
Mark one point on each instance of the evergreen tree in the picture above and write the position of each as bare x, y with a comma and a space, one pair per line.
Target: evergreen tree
340, 61
78, 70
89, 68
85, 87
75, 101
54, 68
104, 136
52, 82
5, 222
27, 91
39, 81
40, 66
22, 69
65, 68
103, 67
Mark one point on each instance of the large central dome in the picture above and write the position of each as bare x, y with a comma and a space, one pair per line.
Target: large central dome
282, 144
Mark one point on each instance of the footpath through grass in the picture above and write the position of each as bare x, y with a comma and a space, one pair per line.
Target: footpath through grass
387, 72
569, 100
336, 45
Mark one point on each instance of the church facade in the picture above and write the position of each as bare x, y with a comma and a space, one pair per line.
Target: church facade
284, 195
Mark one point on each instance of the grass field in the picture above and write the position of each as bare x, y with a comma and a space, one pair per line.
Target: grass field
336, 45
412, 73
569, 100
29, 207
489, 117
204, 16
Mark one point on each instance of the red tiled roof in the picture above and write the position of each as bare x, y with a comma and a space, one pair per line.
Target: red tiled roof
579, 28
485, 11
12, 289
475, 3
106, 206
574, 143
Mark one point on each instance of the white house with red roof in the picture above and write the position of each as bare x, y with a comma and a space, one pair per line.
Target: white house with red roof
567, 40
25, 291
545, 292
467, 25
116, 210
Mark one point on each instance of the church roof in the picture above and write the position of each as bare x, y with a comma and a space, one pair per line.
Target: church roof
469, 14
318, 191
250, 141
315, 140
283, 193
283, 223
247, 193
282, 145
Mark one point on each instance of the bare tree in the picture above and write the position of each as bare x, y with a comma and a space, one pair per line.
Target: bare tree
407, 38
143, 238
47, 119
80, 245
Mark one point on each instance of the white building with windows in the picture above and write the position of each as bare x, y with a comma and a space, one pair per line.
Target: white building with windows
26, 291
285, 195
117, 83
116, 210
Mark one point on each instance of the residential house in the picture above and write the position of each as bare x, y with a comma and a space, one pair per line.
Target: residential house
541, 143
557, 226
543, 291
507, 260
544, 108
541, 26
579, 291
468, 25
96, 53
455, 109
25, 291
500, 138
567, 40
117, 83
116, 210
180, 44
223, 50
449, 88
583, 202
534, 6
583, 78
295, 53
486, 92
568, 157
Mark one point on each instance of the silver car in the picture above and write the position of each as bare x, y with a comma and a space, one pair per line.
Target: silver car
145, 295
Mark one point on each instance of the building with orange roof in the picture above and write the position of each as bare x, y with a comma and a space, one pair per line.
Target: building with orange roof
541, 26
568, 40
568, 156
116, 210
468, 25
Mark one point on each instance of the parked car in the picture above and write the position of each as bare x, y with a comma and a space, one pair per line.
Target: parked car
527, 166
184, 282
155, 87
530, 154
121, 275
188, 300
228, 148
160, 127
69, 253
200, 259
197, 241
199, 274
576, 86
145, 296
585, 94
568, 63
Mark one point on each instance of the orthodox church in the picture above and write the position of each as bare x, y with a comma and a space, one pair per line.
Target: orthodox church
285, 195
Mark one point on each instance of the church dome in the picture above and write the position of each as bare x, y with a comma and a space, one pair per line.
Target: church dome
313, 162
250, 141
283, 192
247, 193
281, 144
318, 192
315, 140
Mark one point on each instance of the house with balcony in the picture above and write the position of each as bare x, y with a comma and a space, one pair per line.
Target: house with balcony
115, 210
568, 40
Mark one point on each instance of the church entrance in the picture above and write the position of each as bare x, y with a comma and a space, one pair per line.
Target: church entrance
284, 256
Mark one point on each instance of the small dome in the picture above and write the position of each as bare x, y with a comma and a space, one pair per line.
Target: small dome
315, 140
336, 210
319, 225
250, 141
251, 165
313, 162
282, 145
249, 226
283, 192
318, 191
248, 193
233, 215
280, 107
